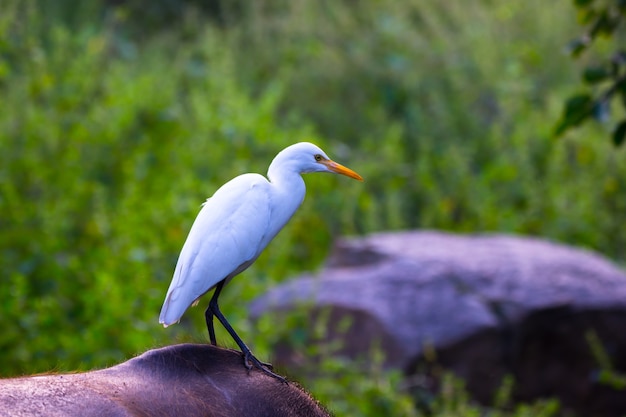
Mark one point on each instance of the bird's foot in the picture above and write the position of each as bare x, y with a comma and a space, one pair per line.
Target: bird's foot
250, 361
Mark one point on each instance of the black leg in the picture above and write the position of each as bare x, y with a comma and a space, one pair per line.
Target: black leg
249, 359
208, 315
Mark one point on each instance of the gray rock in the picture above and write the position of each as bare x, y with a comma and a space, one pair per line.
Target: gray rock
486, 304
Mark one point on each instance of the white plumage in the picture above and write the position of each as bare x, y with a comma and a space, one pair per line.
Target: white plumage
236, 224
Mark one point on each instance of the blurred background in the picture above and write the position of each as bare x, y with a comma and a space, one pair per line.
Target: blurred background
118, 118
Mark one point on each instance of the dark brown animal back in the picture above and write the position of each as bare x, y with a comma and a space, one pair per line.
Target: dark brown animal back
180, 380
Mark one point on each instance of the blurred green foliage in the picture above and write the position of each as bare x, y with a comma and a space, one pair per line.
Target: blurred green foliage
114, 129
605, 73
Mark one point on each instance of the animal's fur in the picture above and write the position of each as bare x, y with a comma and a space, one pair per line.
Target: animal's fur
180, 380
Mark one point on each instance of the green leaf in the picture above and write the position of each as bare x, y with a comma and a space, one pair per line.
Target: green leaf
578, 104
577, 109
587, 15
596, 74
577, 46
619, 134
582, 3
605, 25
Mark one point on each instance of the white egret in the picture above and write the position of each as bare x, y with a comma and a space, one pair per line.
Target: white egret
232, 229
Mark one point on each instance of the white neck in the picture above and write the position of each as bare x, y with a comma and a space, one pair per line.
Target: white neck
288, 190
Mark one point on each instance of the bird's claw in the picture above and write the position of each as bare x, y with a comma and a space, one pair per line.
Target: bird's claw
250, 361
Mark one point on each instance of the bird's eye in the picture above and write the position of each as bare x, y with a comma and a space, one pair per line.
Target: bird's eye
318, 157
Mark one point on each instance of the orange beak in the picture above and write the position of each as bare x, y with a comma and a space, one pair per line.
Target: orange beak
340, 169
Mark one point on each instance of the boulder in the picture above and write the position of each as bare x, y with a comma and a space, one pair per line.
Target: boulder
482, 306
181, 380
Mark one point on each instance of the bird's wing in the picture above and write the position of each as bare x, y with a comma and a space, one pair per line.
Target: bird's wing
226, 237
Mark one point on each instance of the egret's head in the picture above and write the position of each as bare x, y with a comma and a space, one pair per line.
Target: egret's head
306, 157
